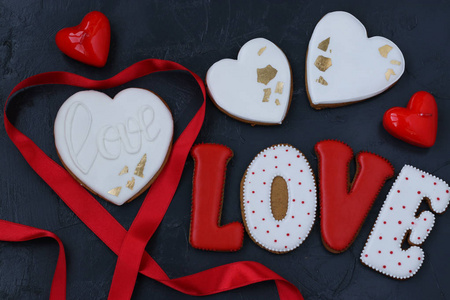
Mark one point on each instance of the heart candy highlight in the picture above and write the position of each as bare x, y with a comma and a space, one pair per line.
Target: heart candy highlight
115, 147
89, 41
417, 123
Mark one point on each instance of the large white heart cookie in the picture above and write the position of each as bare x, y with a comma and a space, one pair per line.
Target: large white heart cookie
344, 66
257, 87
115, 147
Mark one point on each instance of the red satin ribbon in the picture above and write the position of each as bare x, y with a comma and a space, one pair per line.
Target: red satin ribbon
93, 215
13, 232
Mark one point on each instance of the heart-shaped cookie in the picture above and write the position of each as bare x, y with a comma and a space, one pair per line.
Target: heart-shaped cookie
256, 88
115, 147
417, 123
87, 42
344, 66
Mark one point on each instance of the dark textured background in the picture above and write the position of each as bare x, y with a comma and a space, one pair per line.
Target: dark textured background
197, 34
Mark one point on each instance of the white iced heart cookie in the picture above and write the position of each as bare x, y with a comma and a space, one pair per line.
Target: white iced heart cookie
115, 147
256, 88
344, 66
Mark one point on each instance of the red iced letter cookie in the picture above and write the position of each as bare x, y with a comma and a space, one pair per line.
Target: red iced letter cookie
344, 205
207, 196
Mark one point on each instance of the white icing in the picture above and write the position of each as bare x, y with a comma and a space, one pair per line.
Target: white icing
287, 234
97, 136
234, 87
383, 251
358, 70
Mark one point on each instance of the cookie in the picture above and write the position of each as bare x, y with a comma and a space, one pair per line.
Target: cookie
398, 220
115, 147
344, 66
256, 88
278, 199
417, 123
344, 204
206, 233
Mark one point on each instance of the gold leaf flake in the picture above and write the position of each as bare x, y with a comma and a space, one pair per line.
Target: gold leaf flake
124, 170
139, 171
277, 102
395, 62
388, 74
261, 50
322, 81
267, 93
265, 75
130, 183
279, 88
115, 191
324, 44
322, 63
384, 51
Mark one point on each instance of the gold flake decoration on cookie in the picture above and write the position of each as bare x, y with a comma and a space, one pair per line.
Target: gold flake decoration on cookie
261, 51
265, 75
355, 69
277, 102
323, 63
324, 45
115, 191
322, 81
139, 171
130, 183
384, 51
242, 88
102, 141
388, 74
267, 93
279, 88
124, 171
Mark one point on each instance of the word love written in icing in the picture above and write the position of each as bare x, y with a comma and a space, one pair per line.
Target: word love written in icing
115, 147
110, 139
278, 204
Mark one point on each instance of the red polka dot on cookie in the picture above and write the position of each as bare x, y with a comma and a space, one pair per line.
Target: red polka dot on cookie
264, 155
275, 241
287, 234
408, 256
380, 237
308, 214
253, 212
379, 251
303, 202
366, 255
293, 217
267, 231
398, 191
391, 208
299, 183
399, 263
412, 223
418, 192
276, 167
310, 191
446, 191
418, 258
384, 267
423, 176
425, 219
384, 222
399, 222
264, 170
253, 173
410, 271
285, 247
395, 239
391, 252
438, 198
262, 201
293, 200
406, 178
298, 156
276, 157
299, 225
255, 227
287, 150
289, 165
418, 237
278, 225
263, 219
301, 171
434, 183
253, 192
403, 207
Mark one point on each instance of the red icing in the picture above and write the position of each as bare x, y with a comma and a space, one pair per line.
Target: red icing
207, 197
417, 123
345, 206
87, 42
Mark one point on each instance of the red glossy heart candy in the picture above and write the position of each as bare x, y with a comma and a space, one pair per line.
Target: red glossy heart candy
417, 123
87, 42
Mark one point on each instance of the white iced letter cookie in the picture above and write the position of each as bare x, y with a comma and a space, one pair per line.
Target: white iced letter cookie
255, 88
383, 251
286, 164
343, 65
115, 147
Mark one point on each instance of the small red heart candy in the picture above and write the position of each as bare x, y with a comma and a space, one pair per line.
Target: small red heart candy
417, 123
87, 42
